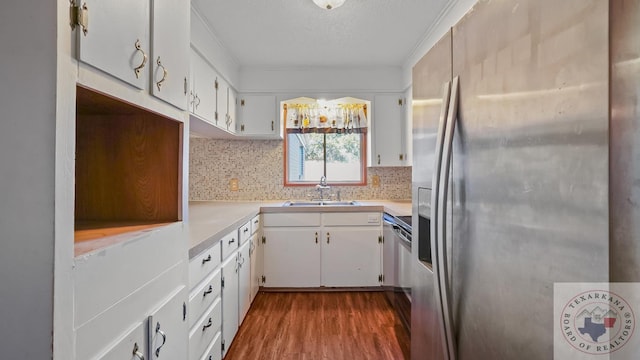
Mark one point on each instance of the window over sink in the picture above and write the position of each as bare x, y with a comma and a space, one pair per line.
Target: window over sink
325, 138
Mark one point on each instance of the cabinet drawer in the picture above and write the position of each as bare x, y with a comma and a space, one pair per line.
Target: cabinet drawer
352, 219
205, 330
214, 351
132, 342
255, 224
203, 296
244, 232
229, 243
291, 219
203, 264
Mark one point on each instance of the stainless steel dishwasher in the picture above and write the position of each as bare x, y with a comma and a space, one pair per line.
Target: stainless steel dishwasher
397, 265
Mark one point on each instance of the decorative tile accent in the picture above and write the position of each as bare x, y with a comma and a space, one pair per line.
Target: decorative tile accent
259, 167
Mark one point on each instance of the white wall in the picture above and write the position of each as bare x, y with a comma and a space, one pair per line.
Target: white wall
27, 178
205, 41
321, 79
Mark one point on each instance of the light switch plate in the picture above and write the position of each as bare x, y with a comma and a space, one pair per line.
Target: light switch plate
375, 180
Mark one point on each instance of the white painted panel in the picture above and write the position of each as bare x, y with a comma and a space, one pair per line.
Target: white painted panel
244, 280
112, 48
168, 332
291, 219
104, 277
202, 297
171, 45
256, 264
133, 342
258, 115
202, 265
292, 257
229, 244
92, 337
214, 351
229, 300
255, 224
388, 130
351, 256
204, 331
352, 219
244, 232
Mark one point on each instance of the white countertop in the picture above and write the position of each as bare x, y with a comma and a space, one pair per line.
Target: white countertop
209, 221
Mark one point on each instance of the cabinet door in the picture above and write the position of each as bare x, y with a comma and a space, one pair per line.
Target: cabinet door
110, 41
388, 130
256, 264
351, 256
257, 115
229, 300
171, 51
204, 88
292, 257
244, 281
231, 110
168, 331
132, 344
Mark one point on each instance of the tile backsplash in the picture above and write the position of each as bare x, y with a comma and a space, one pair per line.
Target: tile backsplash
258, 167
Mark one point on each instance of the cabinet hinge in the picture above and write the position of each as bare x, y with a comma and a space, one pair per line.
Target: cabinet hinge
242, 127
380, 239
184, 311
264, 279
401, 157
400, 102
222, 345
216, 117
79, 17
242, 102
222, 282
264, 239
185, 85
215, 84
379, 278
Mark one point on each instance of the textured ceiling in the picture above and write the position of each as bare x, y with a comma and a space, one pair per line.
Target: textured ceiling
284, 33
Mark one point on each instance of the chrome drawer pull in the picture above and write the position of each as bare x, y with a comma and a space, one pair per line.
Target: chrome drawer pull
208, 258
208, 291
164, 339
137, 353
232, 240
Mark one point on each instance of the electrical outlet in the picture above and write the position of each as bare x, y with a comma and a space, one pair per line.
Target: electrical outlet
375, 180
233, 184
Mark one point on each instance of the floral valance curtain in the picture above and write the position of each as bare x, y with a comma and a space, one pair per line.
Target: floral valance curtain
305, 115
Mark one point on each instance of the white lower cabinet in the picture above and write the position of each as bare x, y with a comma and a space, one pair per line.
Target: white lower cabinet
205, 330
213, 352
168, 329
255, 253
345, 250
229, 301
244, 280
292, 257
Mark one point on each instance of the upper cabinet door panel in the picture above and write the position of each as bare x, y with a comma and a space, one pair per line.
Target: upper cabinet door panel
204, 85
110, 43
258, 115
388, 129
171, 51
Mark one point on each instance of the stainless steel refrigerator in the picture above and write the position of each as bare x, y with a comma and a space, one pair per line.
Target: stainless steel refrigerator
526, 171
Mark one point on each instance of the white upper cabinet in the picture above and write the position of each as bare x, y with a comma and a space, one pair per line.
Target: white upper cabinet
258, 118
231, 110
203, 84
116, 39
145, 44
170, 74
389, 131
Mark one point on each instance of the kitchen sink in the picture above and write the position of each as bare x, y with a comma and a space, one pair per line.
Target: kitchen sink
321, 203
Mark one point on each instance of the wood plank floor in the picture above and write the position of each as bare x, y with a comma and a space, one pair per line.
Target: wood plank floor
320, 325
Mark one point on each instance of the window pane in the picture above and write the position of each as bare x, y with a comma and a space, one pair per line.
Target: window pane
344, 158
306, 162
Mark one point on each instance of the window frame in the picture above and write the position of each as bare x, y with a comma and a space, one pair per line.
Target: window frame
363, 164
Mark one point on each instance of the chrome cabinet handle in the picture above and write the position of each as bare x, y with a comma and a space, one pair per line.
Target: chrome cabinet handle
208, 325
245, 230
139, 68
137, 353
208, 291
328, 237
198, 103
232, 240
205, 260
164, 74
164, 339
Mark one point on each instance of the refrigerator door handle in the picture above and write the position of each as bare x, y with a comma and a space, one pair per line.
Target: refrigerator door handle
443, 271
435, 243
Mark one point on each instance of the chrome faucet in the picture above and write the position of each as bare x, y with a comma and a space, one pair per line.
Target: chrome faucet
322, 187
